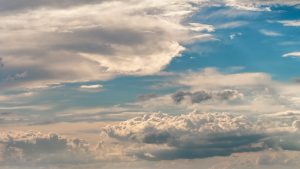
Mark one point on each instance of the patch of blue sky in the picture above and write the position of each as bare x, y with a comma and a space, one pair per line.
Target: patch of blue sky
245, 45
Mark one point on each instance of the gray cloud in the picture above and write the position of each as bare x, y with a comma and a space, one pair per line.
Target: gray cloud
200, 135
33, 148
201, 96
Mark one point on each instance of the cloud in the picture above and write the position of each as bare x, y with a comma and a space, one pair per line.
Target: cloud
199, 135
234, 35
258, 5
292, 54
146, 97
269, 33
158, 136
34, 148
294, 23
82, 46
91, 87
201, 96
210, 78
211, 90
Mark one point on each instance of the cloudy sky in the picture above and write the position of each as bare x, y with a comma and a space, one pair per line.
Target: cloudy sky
131, 84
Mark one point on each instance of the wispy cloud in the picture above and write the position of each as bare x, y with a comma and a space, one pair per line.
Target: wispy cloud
292, 54
269, 33
294, 23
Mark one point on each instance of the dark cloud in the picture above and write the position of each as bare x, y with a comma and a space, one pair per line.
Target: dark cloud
30, 148
201, 96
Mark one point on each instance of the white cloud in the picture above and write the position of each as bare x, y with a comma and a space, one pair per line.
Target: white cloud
199, 135
253, 93
96, 41
292, 54
58, 42
290, 23
156, 136
234, 35
269, 33
96, 86
233, 24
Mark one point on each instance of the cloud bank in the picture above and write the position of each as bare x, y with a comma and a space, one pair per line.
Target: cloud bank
33, 148
225, 137
199, 135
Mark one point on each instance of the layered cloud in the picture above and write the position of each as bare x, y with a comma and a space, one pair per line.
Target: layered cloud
212, 90
199, 135
34, 148
157, 136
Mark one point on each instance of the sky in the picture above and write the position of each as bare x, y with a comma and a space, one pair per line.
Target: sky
208, 84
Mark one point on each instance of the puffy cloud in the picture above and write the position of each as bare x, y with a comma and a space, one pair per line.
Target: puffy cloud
198, 135
37, 149
34, 148
158, 136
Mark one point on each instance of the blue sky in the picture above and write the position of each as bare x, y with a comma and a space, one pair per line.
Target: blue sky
140, 82
241, 48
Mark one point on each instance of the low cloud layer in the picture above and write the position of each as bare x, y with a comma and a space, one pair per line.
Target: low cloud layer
34, 148
158, 137
200, 135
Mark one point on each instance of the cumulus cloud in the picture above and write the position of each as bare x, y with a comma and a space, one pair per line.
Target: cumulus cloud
34, 148
198, 135
158, 136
